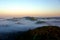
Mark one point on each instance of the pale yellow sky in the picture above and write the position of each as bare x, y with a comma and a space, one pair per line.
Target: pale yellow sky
16, 12
29, 13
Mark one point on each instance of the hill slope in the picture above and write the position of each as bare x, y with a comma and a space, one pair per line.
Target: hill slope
43, 33
40, 33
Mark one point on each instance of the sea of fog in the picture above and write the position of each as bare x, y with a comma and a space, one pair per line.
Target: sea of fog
24, 24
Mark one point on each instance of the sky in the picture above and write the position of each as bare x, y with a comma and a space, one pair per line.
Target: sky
20, 8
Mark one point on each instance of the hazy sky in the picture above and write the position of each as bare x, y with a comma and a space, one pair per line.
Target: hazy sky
10, 8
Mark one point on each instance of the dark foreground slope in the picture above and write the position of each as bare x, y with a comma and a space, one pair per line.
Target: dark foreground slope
41, 33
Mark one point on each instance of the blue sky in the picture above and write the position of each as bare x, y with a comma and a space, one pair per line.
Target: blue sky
30, 3
21, 6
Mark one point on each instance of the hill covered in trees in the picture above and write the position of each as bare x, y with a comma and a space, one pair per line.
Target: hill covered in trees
41, 33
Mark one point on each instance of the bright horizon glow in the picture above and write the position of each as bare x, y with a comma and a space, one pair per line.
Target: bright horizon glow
20, 8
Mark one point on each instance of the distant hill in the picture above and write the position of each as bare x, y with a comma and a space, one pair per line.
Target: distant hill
31, 18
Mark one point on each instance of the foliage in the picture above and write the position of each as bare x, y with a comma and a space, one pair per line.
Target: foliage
31, 18
39, 22
41, 33
46, 33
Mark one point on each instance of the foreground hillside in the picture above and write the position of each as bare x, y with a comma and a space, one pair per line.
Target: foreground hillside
43, 33
40, 33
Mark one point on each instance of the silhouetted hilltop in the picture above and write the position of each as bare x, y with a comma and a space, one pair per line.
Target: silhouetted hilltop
43, 33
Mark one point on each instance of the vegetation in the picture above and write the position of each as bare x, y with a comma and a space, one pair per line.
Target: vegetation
39, 22
31, 18
13, 19
44, 33
41, 33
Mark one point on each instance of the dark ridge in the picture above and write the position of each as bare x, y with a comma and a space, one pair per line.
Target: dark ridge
31, 18
40, 22
41, 33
